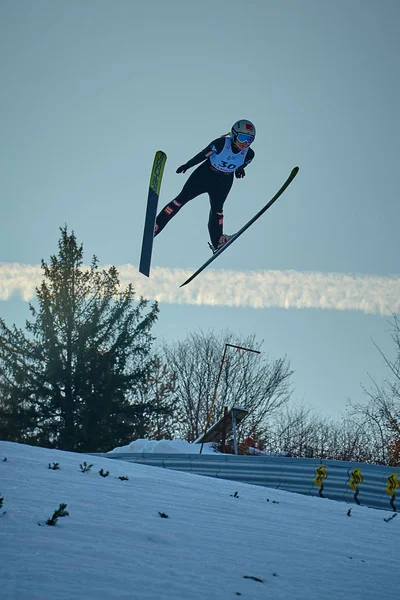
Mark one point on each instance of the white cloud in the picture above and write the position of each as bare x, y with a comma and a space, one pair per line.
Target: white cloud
252, 289
19, 280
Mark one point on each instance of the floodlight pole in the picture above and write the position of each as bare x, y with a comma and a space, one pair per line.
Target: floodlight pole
214, 396
217, 382
235, 448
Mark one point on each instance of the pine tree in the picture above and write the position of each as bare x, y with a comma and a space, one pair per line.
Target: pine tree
72, 379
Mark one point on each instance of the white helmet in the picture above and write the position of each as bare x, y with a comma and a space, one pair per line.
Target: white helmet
243, 131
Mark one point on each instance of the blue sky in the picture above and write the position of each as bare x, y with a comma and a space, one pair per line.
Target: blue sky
90, 90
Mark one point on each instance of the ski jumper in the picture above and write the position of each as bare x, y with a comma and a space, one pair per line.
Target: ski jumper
220, 160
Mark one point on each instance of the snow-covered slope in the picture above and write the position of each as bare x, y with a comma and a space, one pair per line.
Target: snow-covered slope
163, 446
221, 539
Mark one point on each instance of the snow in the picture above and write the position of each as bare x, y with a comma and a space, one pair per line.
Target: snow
115, 545
163, 447
177, 447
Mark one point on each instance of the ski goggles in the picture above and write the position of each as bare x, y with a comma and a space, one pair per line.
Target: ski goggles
244, 137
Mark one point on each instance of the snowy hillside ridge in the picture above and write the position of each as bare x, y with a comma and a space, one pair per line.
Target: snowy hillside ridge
143, 533
163, 447
145, 446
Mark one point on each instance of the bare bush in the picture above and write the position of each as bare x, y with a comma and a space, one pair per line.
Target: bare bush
248, 380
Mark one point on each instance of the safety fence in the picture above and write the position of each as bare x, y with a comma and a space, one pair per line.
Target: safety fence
355, 483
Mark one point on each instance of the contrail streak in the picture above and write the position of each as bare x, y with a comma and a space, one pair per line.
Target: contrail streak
370, 294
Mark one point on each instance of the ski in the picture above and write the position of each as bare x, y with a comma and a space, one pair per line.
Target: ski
243, 229
151, 212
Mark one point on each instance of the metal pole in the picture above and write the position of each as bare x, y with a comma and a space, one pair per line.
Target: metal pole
217, 382
235, 449
223, 441
214, 396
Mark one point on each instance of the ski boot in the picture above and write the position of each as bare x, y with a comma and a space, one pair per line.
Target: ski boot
221, 242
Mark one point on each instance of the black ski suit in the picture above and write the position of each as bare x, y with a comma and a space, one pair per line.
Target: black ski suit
205, 179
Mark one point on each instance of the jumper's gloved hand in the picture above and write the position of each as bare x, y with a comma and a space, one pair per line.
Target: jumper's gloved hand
182, 169
239, 173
